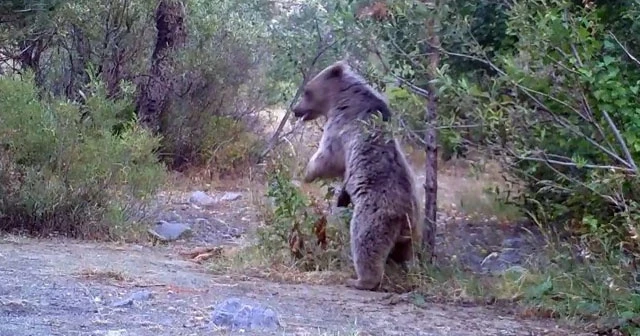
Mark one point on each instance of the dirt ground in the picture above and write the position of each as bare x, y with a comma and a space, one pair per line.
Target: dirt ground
64, 287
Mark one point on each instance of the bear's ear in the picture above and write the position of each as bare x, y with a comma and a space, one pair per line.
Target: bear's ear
337, 70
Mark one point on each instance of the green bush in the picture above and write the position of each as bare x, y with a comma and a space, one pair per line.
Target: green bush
411, 109
198, 139
562, 111
581, 80
63, 170
297, 226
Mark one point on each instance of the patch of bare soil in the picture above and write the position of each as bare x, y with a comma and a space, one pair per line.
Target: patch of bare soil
61, 287
69, 288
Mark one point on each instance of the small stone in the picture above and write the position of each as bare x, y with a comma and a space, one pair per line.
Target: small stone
237, 315
230, 196
219, 222
169, 231
121, 332
137, 296
513, 242
202, 199
173, 216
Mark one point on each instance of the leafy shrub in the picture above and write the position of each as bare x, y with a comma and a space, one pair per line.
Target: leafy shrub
596, 80
563, 112
202, 140
219, 72
299, 225
63, 170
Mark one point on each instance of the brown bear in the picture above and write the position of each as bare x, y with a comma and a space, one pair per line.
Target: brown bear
386, 222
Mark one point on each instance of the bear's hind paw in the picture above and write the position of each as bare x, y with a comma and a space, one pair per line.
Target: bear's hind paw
357, 284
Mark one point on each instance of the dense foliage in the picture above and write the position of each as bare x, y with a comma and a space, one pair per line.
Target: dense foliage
561, 109
64, 170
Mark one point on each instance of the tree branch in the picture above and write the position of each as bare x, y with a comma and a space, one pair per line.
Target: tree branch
413, 88
572, 164
630, 162
530, 94
626, 51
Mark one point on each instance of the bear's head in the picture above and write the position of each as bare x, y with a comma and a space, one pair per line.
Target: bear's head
320, 93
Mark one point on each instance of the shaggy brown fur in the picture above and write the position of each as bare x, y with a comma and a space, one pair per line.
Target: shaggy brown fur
386, 222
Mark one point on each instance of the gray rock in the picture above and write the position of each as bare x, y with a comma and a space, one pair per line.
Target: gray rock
514, 242
202, 199
230, 196
137, 296
121, 332
172, 216
165, 231
237, 314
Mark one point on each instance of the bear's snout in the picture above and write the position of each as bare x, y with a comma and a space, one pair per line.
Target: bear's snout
298, 113
301, 113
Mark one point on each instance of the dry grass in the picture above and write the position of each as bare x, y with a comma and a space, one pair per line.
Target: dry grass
466, 187
462, 189
103, 275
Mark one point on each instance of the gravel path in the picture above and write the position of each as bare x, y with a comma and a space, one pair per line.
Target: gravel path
63, 287
69, 288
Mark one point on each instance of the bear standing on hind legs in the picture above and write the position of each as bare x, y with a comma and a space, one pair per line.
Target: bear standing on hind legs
386, 222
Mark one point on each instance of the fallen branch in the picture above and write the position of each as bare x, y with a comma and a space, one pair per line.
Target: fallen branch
200, 254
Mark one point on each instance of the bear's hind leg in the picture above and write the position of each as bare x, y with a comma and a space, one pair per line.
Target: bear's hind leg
370, 250
369, 273
405, 246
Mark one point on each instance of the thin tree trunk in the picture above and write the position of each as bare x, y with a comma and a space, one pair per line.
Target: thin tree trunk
29, 57
431, 147
153, 98
79, 56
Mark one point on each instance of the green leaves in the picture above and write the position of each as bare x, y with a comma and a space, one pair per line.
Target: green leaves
543, 108
74, 173
541, 290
